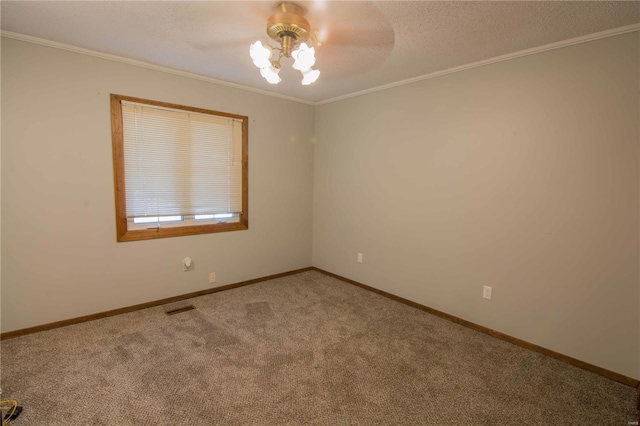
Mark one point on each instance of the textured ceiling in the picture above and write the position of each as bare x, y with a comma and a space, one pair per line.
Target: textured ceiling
367, 44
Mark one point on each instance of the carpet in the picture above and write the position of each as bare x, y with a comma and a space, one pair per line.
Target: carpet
303, 349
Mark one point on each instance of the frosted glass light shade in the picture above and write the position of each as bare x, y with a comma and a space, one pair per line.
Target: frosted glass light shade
304, 57
310, 76
271, 74
260, 55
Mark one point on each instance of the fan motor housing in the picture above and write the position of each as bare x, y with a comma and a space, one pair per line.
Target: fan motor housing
288, 26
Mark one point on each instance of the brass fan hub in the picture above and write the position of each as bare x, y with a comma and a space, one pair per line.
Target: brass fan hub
288, 26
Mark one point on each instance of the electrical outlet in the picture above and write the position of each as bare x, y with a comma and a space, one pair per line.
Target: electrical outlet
486, 293
359, 257
212, 277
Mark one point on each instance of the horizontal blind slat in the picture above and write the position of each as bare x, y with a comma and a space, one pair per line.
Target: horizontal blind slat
180, 163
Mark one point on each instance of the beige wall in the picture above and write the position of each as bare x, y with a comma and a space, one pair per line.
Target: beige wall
60, 258
521, 175
0, 187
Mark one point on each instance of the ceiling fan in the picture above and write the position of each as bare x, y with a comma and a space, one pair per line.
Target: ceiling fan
349, 38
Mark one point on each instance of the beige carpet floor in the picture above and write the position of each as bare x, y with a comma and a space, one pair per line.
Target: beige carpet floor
304, 349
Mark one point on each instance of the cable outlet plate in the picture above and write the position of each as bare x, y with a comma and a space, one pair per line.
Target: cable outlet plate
486, 292
212, 277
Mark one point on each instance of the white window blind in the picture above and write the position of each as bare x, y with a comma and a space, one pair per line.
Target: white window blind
180, 163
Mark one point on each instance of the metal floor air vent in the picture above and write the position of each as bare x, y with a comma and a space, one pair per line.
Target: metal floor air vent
178, 310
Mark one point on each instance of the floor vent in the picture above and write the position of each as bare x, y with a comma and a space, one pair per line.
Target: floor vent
178, 310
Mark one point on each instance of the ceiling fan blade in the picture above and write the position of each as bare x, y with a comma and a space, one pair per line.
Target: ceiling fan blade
357, 37
221, 25
242, 43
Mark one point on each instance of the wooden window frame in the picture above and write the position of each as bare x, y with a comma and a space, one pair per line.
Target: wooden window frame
122, 231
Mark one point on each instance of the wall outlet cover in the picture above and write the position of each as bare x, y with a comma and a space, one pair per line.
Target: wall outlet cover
486, 292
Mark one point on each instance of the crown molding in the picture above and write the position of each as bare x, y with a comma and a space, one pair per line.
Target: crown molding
142, 64
526, 52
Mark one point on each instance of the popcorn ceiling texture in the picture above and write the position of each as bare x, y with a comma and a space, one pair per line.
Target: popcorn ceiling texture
366, 44
304, 349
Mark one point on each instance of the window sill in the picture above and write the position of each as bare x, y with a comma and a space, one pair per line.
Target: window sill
178, 231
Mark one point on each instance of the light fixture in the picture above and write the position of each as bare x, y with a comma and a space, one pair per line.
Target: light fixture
289, 28
309, 76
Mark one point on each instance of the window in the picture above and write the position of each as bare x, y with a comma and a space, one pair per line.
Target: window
178, 170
